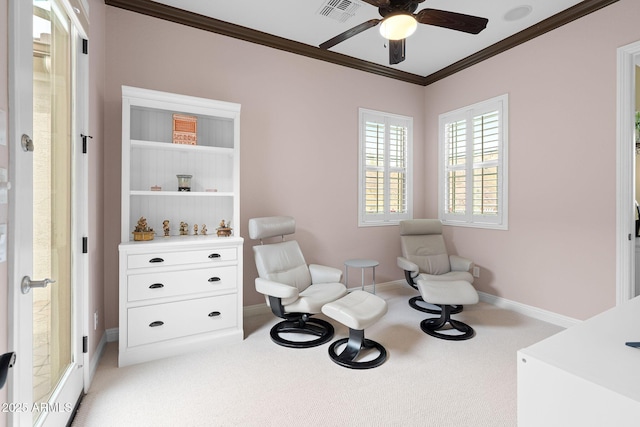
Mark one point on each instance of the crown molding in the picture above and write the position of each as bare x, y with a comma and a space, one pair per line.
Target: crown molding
179, 16
558, 20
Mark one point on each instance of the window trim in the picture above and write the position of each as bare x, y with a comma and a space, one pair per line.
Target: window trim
364, 219
501, 222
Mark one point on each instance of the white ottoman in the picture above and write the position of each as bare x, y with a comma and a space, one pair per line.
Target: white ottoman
357, 310
447, 294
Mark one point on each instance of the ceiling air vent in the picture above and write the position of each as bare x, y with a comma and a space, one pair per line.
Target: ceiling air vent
339, 10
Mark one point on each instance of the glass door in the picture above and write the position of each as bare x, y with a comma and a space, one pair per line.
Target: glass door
52, 163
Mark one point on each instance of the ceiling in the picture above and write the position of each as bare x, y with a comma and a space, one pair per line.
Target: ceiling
431, 52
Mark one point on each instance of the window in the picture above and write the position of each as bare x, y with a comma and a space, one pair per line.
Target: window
473, 165
385, 190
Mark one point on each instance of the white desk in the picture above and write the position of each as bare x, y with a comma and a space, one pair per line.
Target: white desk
362, 264
584, 376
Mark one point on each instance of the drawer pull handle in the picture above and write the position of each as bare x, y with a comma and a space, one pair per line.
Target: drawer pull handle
155, 260
214, 314
214, 279
212, 256
156, 286
156, 323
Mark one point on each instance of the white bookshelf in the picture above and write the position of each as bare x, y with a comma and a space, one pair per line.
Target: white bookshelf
193, 297
150, 159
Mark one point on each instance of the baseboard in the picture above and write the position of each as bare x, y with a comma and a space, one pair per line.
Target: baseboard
96, 357
255, 310
112, 334
527, 310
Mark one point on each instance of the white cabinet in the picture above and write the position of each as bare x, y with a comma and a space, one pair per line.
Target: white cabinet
178, 292
584, 376
179, 295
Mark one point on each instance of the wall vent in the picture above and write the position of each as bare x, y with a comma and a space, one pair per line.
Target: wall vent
338, 10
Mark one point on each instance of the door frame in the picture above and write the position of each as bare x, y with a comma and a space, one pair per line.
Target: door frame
627, 57
20, 44
20, 113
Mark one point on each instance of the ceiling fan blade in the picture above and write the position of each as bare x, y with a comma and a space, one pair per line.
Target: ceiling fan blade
397, 51
379, 3
350, 33
453, 21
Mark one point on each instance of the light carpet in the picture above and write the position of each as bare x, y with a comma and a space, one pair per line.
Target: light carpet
424, 382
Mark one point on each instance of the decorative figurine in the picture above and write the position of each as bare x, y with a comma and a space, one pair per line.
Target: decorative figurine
204, 230
195, 229
142, 230
224, 230
184, 228
142, 225
165, 227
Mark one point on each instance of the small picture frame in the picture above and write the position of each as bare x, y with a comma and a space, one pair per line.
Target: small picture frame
185, 129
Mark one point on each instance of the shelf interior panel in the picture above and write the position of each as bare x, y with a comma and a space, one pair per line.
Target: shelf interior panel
210, 171
150, 124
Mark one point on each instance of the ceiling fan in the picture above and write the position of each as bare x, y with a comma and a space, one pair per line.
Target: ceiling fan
399, 21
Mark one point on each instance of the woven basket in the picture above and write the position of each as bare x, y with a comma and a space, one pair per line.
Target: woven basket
224, 232
143, 235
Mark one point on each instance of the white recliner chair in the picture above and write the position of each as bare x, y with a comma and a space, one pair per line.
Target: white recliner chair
443, 280
424, 256
293, 290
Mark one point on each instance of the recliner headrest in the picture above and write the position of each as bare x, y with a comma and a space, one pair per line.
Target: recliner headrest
420, 227
271, 226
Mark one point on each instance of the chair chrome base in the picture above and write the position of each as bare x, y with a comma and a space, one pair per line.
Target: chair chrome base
355, 343
433, 326
414, 303
302, 324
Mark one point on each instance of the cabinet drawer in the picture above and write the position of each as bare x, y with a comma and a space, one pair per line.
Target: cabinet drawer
161, 259
162, 322
175, 283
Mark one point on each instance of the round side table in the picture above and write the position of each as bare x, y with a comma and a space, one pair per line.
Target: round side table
361, 264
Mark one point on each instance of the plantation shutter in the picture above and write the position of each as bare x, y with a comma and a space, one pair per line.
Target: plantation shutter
486, 144
384, 168
473, 164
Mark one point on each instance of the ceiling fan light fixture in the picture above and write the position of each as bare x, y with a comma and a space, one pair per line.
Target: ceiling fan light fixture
398, 27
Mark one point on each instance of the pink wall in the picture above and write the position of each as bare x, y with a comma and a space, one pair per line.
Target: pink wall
559, 252
299, 135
